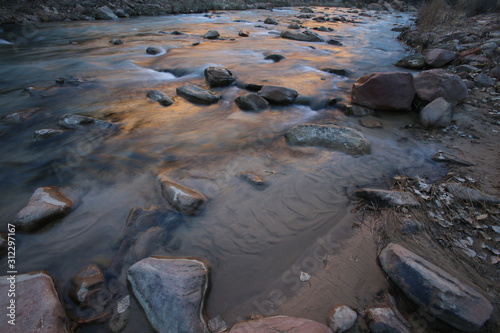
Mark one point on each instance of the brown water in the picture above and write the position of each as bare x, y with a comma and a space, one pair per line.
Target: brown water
250, 237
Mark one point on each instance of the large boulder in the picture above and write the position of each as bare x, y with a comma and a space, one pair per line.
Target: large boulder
436, 83
439, 57
434, 289
413, 61
105, 13
437, 113
171, 291
344, 139
198, 95
384, 91
305, 36
278, 95
185, 200
45, 205
35, 307
252, 102
218, 76
384, 198
280, 324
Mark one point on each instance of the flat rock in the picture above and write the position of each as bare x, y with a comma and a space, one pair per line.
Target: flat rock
218, 76
198, 95
436, 83
392, 91
305, 36
105, 13
432, 288
280, 324
471, 195
370, 123
185, 200
341, 318
37, 305
386, 198
384, 320
252, 178
275, 57
439, 57
344, 139
438, 113
252, 102
278, 95
171, 291
160, 97
211, 34
483, 81
45, 205
413, 61
77, 122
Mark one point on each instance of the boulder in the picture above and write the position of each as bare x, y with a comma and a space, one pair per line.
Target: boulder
344, 139
105, 13
437, 113
270, 20
305, 36
154, 50
341, 318
483, 81
439, 57
279, 324
243, 33
45, 205
158, 96
171, 291
384, 198
413, 61
278, 95
198, 95
37, 304
211, 34
77, 122
473, 196
436, 83
251, 102
392, 91
218, 76
383, 320
434, 289
185, 200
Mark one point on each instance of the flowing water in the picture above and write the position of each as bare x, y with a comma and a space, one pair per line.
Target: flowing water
249, 236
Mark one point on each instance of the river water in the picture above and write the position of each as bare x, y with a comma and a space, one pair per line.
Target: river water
249, 236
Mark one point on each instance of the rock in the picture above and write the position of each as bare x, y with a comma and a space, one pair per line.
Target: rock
357, 111
334, 42
105, 13
495, 72
471, 195
341, 318
439, 57
294, 26
47, 133
252, 178
344, 139
20, 117
154, 50
392, 91
436, 83
37, 304
218, 76
440, 156
336, 71
121, 13
307, 10
46, 204
158, 96
483, 80
251, 102
278, 95
185, 200
149, 241
243, 33
383, 320
85, 283
119, 315
305, 36
469, 84
279, 324
275, 57
171, 292
76, 122
413, 61
211, 34
69, 81
370, 123
466, 69
384, 198
429, 286
116, 41
198, 95
270, 20
438, 113
410, 227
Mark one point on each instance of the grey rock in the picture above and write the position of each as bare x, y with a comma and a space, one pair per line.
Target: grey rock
22, 116
218, 76
341, 318
344, 139
443, 157
77, 122
171, 292
294, 26
436, 83
438, 113
307, 10
357, 111
251, 102
211, 34
495, 72
439, 57
105, 13
370, 123
279, 324
46, 204
46, 133
36, 302
471, 195
120, 315
185, 200
413, 61
386, 198
429, 286
278, 95
384, 320
121, 13
116, 41
466, 69
88, 280
270, 20
274, 57
483, 80
198, 95
305, 36
411, 227
243, 33
334, 42
160, 97
154, 50
252, 178
469, 84
149, 241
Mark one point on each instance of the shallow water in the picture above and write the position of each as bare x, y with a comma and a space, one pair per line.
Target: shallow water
249, 236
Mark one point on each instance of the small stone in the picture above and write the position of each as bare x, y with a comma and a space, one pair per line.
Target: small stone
334, 42
158, 96
341, 318
185, 200
270, 20
370, 123
85, 282
252, 178
105, 13
217, 76
438, 113
439, 57
413, 61
154, 50
43, 134
120, 315
293, 26
336, 71
243, 33
116, 41
471, 195
211, 34
77, 122
278, 95
275, 57
305, 36
198, 95
483, 81
251, 102
383, 320
357, 110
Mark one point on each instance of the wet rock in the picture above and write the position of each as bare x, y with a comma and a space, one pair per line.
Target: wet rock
437, 113
483, 80
370, 123
334, 42
384, 198
218, 76
88, 280
185, 200
171, 292
275, 57
294, 26
278, 95
341, 318
471, 195
198, 95
149, 241
270, 20
243, 33
211, 34
158, 96
105, 13
20, 117
279, 324
305, 36
116, 41
357, 111
429, 286
252, 178
439, 57
336, 71
383, 320
307, 10
413, 61
154, 50
37, 304
436, 83
77, 122
251, 102
119, 315
121, 13
45, 205
69, 81
384, 91
344, 139
495, 72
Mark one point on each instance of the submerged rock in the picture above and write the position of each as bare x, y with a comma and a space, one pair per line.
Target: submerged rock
386, 198
344, 139
46, 133
218, 76
383, 320
211, 34
438, 113
280, 324
185, 200
171, 292
160, 97
439, 57
436, 83
471, 195
253, 178
413, 61
198, 95
336, 71
251, 102
149, 241
429, 286
278, 95
46, 204
305, 36
76, 122
85, 283
341, 318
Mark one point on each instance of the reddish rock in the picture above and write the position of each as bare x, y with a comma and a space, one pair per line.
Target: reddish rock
280, 324
185, 200
439, 57
436, 83
382, 320
384, 91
